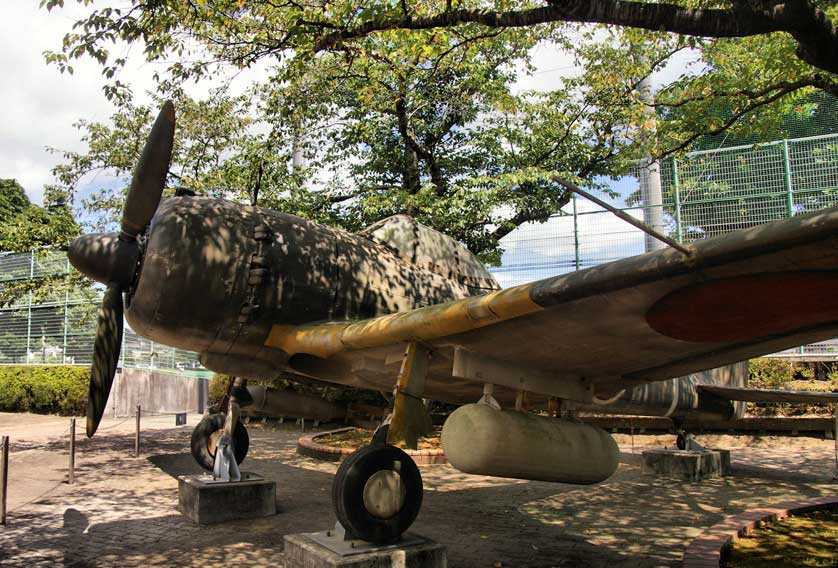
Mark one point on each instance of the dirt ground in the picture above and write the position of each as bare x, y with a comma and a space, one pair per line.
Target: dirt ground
122, 509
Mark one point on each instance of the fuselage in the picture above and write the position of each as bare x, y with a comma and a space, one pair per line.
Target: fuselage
215, 276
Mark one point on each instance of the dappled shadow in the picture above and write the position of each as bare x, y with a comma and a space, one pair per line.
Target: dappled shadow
123, 510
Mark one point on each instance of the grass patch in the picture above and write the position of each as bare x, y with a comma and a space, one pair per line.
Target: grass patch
354, 439
806, 541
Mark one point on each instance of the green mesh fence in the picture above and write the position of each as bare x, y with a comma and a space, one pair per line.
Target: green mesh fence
60, 328
705, 193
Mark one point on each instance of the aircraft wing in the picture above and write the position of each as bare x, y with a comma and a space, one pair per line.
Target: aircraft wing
646, 318
771, 395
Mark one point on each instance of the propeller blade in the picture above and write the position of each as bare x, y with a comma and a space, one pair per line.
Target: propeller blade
150, 174
105, 356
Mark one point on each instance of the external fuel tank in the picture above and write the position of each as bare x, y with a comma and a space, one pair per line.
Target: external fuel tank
504, 443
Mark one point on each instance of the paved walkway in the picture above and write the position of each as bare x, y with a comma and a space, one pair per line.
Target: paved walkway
122, 510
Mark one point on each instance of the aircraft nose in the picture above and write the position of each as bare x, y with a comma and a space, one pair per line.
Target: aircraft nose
105, 257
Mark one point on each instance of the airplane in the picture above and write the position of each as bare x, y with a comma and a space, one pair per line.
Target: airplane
401, 307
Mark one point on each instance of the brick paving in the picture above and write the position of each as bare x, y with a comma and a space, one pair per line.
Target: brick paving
122, 510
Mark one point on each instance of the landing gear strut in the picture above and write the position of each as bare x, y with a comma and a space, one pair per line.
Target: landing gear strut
686, 441
377, 491
209, 431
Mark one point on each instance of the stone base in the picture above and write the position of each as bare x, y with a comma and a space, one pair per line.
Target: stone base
301, 551
688, 465
206, 501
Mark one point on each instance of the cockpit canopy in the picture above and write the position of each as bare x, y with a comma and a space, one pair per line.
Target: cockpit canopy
431, 250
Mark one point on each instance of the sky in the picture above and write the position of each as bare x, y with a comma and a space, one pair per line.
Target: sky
40, 104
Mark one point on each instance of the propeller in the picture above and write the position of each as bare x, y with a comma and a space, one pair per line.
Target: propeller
112, 258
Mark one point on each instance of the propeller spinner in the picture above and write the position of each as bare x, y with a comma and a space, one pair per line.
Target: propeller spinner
111, 258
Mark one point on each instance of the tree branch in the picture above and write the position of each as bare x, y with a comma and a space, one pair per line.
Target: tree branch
814, 32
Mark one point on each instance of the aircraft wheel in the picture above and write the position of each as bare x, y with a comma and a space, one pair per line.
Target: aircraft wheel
681, 442
205, 438
377, 493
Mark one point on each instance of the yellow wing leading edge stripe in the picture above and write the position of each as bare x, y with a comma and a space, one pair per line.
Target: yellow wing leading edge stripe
421, 324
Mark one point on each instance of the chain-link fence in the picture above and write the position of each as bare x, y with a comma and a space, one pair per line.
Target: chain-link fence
60, 327
704, 194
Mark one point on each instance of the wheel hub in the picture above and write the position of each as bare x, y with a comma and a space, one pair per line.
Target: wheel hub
384, 494
212, 441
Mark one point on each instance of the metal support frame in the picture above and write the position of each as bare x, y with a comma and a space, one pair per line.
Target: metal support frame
410, 418
624, 216
474, 367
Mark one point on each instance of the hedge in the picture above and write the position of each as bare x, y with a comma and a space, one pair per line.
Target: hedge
52, 389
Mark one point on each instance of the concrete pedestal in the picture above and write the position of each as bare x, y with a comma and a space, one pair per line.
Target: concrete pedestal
306, 551
688, 465
206, 501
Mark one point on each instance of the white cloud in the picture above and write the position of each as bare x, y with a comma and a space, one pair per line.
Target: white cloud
39, 103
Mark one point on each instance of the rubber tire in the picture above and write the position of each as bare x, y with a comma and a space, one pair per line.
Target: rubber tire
348, 494
201, 435
681, 442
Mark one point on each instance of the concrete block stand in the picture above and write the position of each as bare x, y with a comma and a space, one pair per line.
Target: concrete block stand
207, 502
416, 552
687, 465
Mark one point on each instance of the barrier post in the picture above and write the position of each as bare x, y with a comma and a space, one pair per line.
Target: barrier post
71, 475
137, 434
4, 477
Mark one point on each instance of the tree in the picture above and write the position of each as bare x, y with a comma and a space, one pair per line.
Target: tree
249, 31
13, 200
422, 123
25, 227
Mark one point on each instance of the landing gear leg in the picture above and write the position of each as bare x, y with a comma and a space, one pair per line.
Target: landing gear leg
686, 441
377, 491
212, 429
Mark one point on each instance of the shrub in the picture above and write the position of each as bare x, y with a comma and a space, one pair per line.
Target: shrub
55, 389
788, 375
770, 373
217, 388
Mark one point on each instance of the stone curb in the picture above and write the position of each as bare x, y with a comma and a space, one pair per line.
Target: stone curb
710, 548
308, 446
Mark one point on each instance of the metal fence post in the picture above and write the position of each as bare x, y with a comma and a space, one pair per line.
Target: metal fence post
66, 305
676, 186
29, 306
787, 177
835, 438
4, 477
137, 435
575, 232
71, 476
